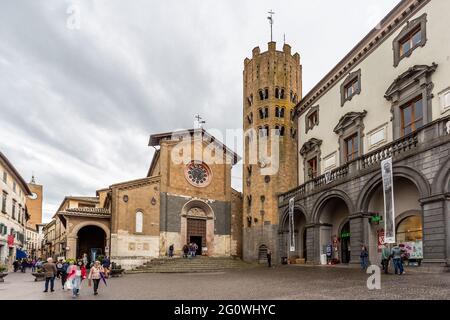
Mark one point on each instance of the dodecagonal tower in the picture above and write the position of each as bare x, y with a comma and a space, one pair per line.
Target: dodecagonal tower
272, 88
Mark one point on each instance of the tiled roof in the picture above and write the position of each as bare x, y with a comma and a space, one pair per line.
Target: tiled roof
104, 212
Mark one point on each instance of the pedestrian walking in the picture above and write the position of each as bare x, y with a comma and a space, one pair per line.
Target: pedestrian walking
397, 254
50, 274
95, 275
33, 265
76, 274
385, 257
269, 258
185, 251
106, 264
171, 249
62, 266
364, 258
24, 265
16, 265
194, 249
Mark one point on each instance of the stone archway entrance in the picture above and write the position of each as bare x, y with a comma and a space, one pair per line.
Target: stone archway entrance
196, 233
197, 226
91, 240
334, 230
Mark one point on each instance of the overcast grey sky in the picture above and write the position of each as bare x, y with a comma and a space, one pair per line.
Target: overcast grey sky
78, 105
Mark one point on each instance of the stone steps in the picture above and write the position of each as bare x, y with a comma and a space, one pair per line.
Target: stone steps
193, 265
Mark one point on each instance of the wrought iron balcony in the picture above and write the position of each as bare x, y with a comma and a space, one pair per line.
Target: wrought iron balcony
426, 137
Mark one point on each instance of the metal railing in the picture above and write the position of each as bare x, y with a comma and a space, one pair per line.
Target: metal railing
425, 135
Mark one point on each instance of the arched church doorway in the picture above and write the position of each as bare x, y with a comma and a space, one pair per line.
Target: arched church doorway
196, 233
91, 241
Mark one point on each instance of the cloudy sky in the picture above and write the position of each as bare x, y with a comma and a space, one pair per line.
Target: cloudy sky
84, 83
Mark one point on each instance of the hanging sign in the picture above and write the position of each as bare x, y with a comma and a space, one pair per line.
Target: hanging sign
11, 240
388, 193
291, 224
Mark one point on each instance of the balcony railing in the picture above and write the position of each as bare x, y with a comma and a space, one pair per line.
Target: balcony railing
425, 136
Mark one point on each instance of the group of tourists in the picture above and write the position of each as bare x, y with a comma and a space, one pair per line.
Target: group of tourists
22, 264
73, 272
190, 250
397, 254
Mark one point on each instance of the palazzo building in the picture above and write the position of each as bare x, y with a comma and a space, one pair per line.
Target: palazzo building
388, 98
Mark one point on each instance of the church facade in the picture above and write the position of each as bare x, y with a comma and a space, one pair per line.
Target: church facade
186, 198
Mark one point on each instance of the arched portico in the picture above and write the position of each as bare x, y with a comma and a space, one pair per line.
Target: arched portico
300, 233
76, 233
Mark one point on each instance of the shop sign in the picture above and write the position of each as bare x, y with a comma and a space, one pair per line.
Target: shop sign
345, 235
11, 240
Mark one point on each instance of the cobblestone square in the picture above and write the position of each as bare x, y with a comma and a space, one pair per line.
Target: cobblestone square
280, 283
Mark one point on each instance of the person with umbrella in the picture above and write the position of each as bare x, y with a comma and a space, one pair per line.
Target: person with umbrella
96, 274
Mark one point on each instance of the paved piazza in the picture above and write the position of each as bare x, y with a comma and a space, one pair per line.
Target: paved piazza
286, 282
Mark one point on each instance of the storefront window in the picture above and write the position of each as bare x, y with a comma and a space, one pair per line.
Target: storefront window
410, 229
409, 236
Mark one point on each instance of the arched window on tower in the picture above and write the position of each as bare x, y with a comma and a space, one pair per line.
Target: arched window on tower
281, 112
277, 93
250, 118
282, 94
266, 93
139, 222
261, 95
277, 111
282, 131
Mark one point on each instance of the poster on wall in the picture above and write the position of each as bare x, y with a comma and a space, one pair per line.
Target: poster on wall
413, 249
388, 194
291, 225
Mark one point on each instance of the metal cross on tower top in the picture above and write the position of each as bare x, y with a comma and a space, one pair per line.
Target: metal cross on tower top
199, 121
271, 23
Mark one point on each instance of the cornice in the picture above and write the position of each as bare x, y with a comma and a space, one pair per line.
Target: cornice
391, 23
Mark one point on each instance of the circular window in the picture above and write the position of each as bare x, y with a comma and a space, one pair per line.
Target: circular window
198, 174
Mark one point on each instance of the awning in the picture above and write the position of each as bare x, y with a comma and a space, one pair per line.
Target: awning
20, 254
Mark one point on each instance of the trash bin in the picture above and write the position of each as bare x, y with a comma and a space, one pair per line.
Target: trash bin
284, 260
323, 259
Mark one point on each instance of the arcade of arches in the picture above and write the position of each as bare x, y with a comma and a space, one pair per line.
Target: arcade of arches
332, 224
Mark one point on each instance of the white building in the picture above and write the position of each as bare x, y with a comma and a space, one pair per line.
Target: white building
388, 98
13, 213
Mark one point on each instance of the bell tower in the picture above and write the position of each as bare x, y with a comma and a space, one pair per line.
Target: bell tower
272, 88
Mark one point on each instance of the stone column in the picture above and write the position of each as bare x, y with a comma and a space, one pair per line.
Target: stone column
72, 244
435, 223
359, 225
312, 243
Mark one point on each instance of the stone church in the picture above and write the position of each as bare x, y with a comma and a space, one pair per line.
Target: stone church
186, 198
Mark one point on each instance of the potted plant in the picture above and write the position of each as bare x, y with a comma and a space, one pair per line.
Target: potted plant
39, 275
3, 272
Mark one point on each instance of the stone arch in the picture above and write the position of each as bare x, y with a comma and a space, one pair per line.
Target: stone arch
441, 183
335, 193
198, 225
81, 225
195, 203
408, 173
405, 215
285, 215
